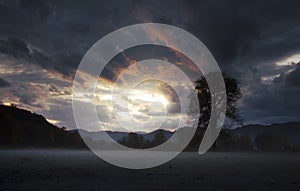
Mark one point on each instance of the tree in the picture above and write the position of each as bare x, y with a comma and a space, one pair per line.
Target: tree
224, 141
265, 141
141, 141
63, 128
233, 95
272, 142
133, 140
282, 142
13, 105
123, 141
159, 138
244, 143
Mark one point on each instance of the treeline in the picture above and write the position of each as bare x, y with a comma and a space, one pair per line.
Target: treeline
261, 142
134, 140
23, 129
225, 142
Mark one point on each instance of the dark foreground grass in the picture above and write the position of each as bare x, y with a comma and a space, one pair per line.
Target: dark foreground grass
82, 170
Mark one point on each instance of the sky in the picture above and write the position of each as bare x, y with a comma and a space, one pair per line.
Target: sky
256, 42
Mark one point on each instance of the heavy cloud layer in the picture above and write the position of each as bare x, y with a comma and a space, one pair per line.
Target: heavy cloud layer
42, 43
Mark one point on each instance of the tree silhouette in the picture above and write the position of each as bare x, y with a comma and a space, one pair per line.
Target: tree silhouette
272, 142
134, 140
159, 138
204, 98
233, 94
244, 143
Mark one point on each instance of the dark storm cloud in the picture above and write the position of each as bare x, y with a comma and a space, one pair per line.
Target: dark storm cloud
246, 38
274, 102
4, 83
144, 52
65, 63
225, 27
292, 79
62, 30
232, 29
41, 26
14, 47
78, 28
19, 49
40, 8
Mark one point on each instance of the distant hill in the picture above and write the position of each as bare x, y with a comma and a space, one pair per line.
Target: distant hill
23, 129
290, 129
118, 135
20, 128
148, 136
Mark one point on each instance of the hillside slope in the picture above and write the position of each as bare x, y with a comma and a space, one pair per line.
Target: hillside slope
21, 128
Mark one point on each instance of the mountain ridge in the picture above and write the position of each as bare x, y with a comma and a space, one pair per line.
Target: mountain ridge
22, 128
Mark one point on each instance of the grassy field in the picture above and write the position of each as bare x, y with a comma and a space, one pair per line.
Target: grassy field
82, 170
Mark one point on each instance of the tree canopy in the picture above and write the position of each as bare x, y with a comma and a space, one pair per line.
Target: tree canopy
233, 95
203, 112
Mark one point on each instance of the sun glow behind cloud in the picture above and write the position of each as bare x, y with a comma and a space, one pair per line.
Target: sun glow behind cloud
146, 97
45, 90
50, 94
148, 100
290, 60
